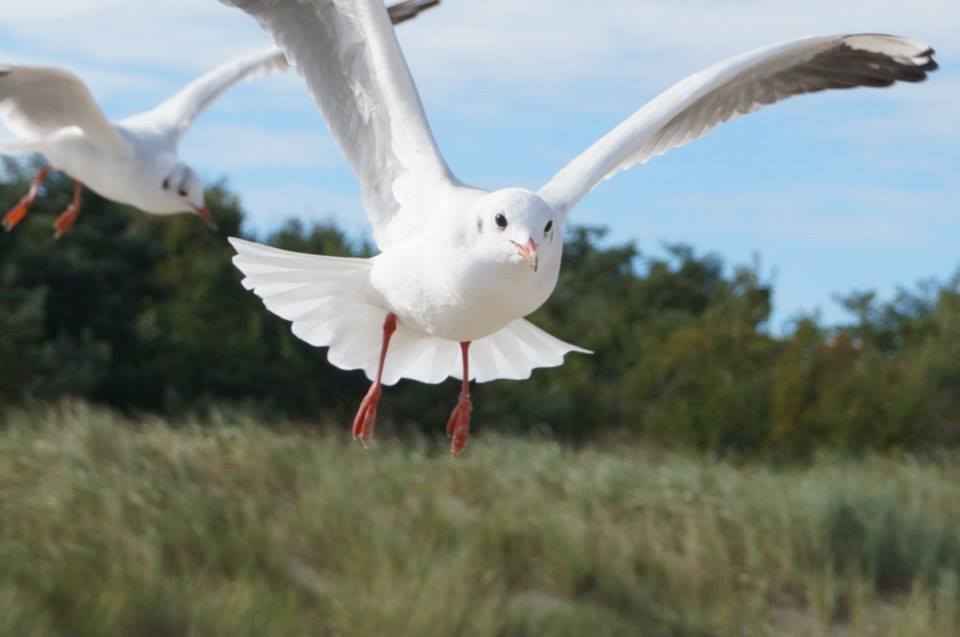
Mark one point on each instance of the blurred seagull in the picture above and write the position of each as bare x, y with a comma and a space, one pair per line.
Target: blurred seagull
135, 160
460, 267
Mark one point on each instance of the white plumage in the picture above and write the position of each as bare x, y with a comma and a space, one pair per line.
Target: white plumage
331, 303
355, 71
133, 161
37, 102
463, 265
737, 86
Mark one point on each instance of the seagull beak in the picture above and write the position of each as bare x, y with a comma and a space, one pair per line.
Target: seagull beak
529, 252
204, 213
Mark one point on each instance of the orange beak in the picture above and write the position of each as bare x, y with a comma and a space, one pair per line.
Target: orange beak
529, 252
204, 213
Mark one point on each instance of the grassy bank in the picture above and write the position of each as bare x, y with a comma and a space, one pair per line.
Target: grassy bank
108, 528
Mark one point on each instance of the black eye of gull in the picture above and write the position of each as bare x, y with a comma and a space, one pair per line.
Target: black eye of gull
182, 192
549, 227
166, 184
501, 220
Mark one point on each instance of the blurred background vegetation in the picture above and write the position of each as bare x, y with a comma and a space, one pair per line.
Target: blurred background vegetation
147, 315
173, 461
220, 526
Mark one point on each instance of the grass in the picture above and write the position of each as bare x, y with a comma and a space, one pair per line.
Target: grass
144, 529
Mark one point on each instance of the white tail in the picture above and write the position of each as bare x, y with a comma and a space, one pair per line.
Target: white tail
331, 304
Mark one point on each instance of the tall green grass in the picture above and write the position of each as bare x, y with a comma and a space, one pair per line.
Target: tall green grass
145, 529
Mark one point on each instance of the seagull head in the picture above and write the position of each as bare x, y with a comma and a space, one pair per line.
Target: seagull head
515, 226
183, 190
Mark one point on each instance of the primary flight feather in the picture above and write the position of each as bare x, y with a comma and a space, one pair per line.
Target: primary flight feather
459, 267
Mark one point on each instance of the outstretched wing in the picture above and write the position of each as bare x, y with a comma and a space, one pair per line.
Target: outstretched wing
349, 56
21, 146
36, 102
740, 85
177, 113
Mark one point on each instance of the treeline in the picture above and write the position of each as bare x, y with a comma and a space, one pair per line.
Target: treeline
147, 314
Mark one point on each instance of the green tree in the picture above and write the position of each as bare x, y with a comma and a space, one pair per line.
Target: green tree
147, 313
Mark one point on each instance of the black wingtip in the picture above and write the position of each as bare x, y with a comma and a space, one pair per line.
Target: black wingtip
866, 67
403, 11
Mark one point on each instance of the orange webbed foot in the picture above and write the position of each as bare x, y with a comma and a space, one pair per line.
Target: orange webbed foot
16, 214
365, 420
458, 426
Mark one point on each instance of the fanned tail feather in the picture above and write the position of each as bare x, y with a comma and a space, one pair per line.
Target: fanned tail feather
331, 304
515, 351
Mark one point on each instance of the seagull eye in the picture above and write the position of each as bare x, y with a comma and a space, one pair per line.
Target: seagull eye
501, 220
182, 192
166, 184
549, 227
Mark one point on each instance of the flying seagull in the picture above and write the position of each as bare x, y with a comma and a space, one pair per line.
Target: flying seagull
135, 160
460, 267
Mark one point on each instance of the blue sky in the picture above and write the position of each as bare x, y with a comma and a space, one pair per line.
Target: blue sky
838, 191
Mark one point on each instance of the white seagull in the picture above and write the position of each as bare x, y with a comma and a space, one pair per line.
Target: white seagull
460, 267
135, 160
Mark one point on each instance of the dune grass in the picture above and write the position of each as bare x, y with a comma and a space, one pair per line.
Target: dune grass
145, 529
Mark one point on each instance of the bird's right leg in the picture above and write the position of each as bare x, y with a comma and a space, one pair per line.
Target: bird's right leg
65, 221
19, 211
367, 414
458, 426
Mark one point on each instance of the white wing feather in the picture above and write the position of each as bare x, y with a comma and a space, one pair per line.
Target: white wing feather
36, 102
349, 56
740, 85
177, 113
21, 146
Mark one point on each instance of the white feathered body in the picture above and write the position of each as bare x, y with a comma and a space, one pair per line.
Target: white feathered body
433, 281
341, 303
133, 178
446, 296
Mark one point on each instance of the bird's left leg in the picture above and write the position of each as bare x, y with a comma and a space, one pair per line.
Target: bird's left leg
65, 221
458, 426
19, 211
367, 414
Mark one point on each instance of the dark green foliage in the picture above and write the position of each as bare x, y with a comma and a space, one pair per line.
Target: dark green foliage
146, 313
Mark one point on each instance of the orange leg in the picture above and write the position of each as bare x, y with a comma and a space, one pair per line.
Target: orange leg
19, 211
367, 414
65, 221
458, 426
